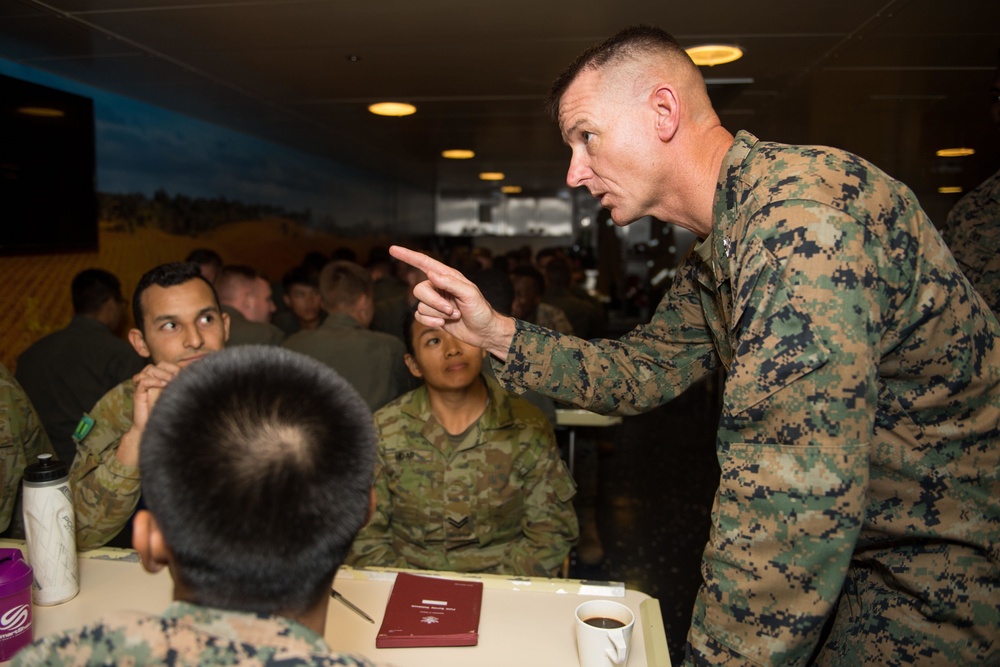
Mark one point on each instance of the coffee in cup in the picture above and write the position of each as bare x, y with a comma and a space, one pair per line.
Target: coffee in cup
603, 633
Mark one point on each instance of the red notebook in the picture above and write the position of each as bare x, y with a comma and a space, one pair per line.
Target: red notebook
427, 611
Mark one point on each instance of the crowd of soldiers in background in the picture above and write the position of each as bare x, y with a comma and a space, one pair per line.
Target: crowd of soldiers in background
347, 312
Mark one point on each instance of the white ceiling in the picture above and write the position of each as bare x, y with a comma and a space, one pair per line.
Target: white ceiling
888, 79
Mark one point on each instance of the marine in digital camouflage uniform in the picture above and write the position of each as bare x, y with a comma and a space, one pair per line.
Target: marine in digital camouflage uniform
859, 433
857, 518
105, 491
190, 635
499, 502
22, 439
972, 232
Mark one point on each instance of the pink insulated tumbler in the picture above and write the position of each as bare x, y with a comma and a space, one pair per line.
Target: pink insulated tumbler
15, 603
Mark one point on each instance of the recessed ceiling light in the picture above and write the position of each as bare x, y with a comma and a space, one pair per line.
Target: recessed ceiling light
43, 112
458, 154
491, 176
955, 152
950, 189
392, 109
714, 54
511, 189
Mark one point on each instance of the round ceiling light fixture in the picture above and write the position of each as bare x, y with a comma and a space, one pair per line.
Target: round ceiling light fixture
955, 152
392, 109
714, 54
41, 112
458, 154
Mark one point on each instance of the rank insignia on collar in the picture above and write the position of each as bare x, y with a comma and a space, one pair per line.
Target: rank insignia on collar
727, 246
83, 428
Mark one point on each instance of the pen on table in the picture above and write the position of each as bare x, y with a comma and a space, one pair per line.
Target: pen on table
350, 605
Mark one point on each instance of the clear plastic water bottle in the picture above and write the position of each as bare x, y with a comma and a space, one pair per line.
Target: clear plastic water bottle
50, 531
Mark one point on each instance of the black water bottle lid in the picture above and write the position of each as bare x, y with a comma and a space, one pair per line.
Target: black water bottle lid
48, 469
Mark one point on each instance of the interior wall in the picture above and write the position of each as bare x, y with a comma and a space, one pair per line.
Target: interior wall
144, 149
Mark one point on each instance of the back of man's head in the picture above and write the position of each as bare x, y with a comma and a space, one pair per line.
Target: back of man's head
166, 275
91, 289
234, 280
341, 283
209, 262
257, 465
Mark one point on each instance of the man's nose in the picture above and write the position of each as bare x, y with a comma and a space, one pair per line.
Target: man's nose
579, 170
194, 338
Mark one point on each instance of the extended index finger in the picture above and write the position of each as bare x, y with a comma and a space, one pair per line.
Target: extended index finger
418, 260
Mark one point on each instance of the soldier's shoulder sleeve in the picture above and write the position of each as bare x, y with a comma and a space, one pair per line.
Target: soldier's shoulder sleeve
22, 439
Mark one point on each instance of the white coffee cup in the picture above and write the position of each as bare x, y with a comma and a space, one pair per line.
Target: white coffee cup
603, 646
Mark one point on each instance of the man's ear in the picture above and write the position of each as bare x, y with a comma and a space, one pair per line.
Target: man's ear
411, 363
138, 342
225, 325
668, 111
148, 541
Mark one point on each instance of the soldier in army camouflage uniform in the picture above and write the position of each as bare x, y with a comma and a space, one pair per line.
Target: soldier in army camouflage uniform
972, 229
468, 477
857, 517
22, 439
179, 321
284, 451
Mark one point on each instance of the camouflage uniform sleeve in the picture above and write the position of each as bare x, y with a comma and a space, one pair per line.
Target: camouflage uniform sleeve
549, 526
105, 491
972, 232
22, 439
794, 435
373, 544
644, 369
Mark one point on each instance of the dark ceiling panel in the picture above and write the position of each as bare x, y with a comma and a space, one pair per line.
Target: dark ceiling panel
888, 79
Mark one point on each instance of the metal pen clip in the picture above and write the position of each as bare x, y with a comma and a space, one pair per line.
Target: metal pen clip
350, 605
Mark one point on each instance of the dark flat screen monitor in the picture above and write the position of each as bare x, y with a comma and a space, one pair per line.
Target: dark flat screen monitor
48, 198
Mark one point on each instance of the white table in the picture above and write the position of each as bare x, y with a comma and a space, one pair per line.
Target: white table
573, 417
524, 621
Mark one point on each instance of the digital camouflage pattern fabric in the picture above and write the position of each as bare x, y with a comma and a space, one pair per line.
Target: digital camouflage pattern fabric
859, 438
498, 501
972, 231
105, 491
22, 439
187, 634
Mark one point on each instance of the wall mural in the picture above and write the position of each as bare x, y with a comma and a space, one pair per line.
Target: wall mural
168, 183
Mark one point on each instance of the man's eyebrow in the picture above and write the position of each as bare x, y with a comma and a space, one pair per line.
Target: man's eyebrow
170, 316
569, 131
